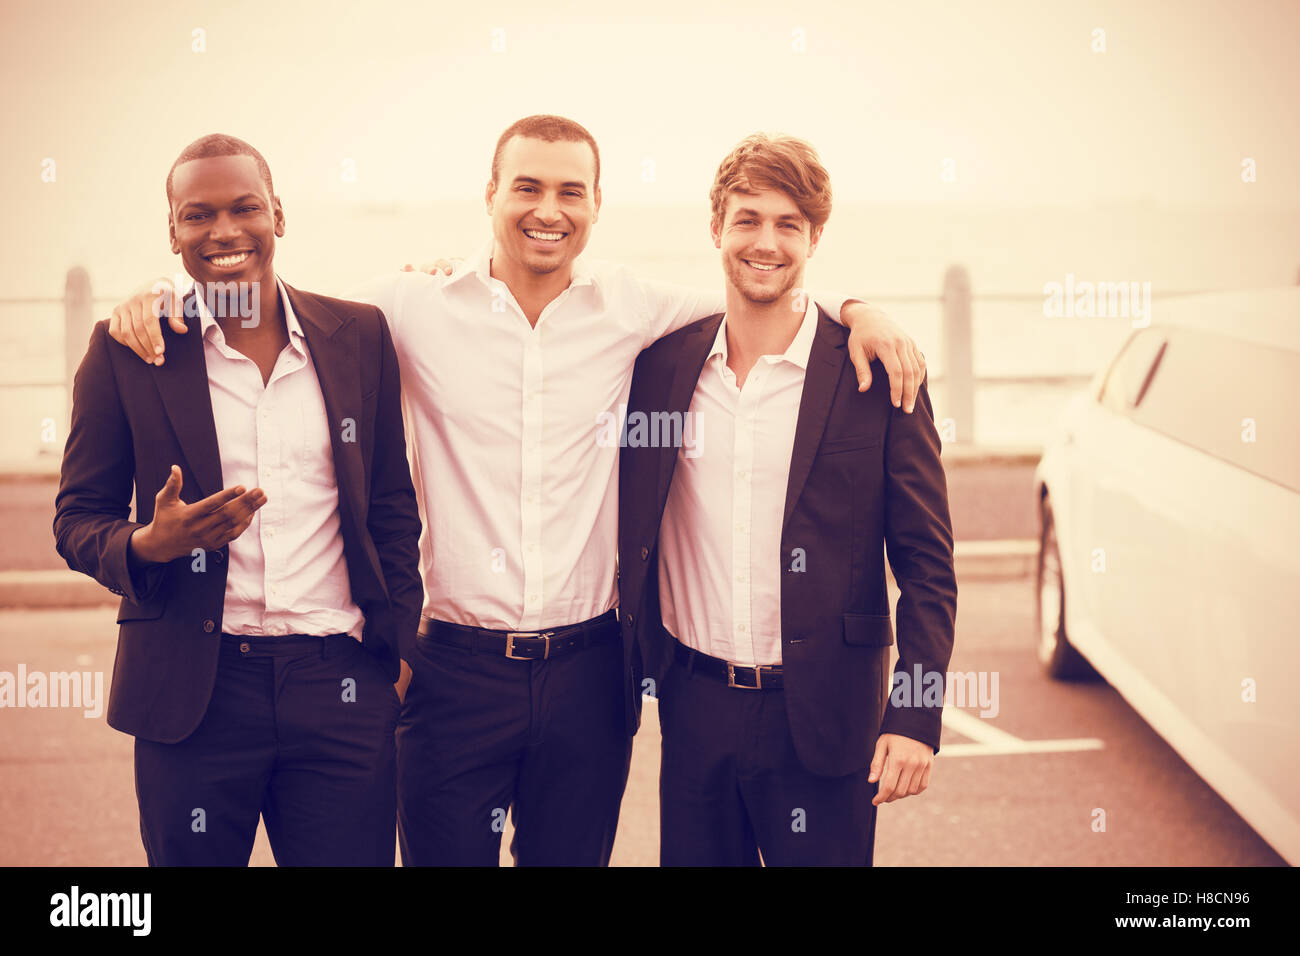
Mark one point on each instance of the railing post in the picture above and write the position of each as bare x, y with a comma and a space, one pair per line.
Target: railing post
959, 391
76, 327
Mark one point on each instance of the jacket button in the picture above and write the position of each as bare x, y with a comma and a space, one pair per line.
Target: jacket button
629, 620
218, 557
209, 625
245, 647
645, 553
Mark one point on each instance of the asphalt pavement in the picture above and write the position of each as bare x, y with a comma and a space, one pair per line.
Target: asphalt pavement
68, 794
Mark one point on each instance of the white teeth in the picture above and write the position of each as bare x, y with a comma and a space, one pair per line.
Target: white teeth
547, 236
762, 266
229, 260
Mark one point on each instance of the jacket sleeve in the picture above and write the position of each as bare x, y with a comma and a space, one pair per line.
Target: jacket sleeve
91, 526
394, 518
918, 540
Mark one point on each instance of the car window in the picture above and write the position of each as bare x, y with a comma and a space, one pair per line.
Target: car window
1235, 400
1132, 371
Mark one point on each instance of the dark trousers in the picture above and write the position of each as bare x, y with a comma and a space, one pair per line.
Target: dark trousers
299, 731
481, 734
731, 786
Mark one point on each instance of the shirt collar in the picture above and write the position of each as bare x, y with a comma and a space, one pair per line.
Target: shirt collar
290, 318
796, 353
480, 265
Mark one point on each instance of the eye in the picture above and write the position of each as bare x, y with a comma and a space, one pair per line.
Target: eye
247, 209
194, 216
525, 189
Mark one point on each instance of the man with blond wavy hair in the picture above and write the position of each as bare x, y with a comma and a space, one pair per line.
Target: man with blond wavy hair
755, 569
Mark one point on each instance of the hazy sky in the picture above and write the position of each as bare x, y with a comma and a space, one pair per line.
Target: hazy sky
414, 95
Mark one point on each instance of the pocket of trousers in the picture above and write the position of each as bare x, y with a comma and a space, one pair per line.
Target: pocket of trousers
377, 671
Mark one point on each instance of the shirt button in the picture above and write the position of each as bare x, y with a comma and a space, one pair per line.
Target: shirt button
209, 625
741, 628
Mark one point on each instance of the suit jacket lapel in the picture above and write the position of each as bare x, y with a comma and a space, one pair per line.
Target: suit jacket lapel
825, 361
686, 374
182, 382
335, 346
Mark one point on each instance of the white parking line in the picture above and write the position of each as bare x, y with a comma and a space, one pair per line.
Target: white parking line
990, 741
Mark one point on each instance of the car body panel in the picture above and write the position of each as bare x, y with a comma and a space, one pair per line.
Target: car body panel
1182, 578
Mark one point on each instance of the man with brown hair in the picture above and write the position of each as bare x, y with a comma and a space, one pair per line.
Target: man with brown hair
755, 570
525, 692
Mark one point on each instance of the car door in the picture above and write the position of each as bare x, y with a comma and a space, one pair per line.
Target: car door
1197, 507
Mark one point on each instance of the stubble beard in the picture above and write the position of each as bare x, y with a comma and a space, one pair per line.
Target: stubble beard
748, 286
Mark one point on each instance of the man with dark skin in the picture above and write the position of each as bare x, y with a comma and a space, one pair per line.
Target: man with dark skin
237, 248
217, 520
261, 630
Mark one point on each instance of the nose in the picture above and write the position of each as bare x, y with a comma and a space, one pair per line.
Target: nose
766, 240
224, 228
548, 210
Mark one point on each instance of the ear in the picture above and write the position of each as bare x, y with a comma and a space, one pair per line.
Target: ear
489, 195
171, 233
715, 230
278, 211
597, 212
816, 238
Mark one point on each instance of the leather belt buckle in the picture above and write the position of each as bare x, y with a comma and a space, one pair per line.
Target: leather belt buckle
543, 635
731, 678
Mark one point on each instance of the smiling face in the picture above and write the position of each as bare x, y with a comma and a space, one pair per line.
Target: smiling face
543, 203
224, 221
765, 242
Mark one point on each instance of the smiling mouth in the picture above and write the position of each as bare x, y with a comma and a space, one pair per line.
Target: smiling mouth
544, 235
228, 260
763, 266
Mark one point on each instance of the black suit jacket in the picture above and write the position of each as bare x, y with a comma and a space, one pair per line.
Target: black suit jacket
863, 476
131, 421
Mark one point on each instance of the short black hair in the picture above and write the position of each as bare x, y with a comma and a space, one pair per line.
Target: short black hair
219, 144
550, 129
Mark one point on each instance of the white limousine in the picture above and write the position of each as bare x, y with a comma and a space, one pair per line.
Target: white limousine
1170, 543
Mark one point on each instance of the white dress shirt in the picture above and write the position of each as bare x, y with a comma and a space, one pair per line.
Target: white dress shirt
518, 496
720, 554
286, 573
517, 491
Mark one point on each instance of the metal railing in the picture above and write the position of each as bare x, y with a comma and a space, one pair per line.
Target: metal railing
956, 301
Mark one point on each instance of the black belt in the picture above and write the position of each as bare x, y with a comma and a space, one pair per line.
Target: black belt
762, 677
524, 645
